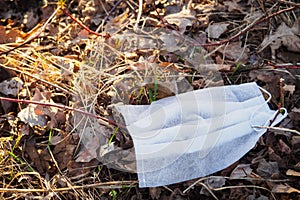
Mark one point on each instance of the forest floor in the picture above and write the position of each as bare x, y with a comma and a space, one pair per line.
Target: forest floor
64, 64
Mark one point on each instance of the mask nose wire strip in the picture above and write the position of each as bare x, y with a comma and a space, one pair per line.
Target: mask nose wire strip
275, 115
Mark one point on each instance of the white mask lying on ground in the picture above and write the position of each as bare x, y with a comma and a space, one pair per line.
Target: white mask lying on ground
196, 133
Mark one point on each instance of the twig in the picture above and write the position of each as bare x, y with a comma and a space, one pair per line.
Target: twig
281, 82
62, 107
209, 190
245, 186
139, 13
289, 3
256, 22
106, 35
112, 10
105, 185
278, 129
284, 66
229, 178
249, 27
39, 79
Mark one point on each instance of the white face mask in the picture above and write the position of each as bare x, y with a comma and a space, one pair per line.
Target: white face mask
196, 133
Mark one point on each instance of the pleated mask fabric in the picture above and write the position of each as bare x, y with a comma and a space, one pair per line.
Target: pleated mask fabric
197, 133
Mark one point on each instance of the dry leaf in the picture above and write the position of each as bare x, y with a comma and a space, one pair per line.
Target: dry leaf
267, 169
9, 36
183, 19
154, 192
215, 30
212, 182
284, 189
38, 114
291, 172
234, 6
31, 19
284, 148
242, 170
235, 51
215, 182
284, 35
91, 142
289, 88
274, 157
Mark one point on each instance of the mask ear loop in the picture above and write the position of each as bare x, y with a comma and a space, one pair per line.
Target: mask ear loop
274, 119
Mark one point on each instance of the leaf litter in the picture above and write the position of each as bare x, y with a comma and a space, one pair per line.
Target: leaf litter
69, 66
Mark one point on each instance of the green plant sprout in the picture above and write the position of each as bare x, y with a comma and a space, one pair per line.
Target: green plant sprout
16, 158
17, 142
113, 135
113, 194
153, 95
99, 168
49, 138
236, 69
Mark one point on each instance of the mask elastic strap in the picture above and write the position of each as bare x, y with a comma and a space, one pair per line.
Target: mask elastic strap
276, 117
268, 93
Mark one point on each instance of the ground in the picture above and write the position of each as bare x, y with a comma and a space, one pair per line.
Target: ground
64, 63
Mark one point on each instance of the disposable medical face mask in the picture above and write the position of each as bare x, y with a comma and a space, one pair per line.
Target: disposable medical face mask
197, 133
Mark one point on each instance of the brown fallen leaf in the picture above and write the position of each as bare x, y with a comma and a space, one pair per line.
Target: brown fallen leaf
184, 18
234, 6
34, 156
267, 169
235, 51
215, 30
9, 36
284, 148
284, 188
155, 192
38, 114
284, 35
242, 170
291, 172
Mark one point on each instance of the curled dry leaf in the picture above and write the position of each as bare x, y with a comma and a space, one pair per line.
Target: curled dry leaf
92, 141
275, 157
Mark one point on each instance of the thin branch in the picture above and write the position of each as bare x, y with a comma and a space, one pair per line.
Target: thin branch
106, 35
63, 107
105, 185
253, 24
112, 10
278, 129
139, 13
